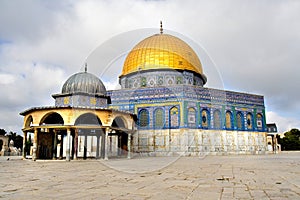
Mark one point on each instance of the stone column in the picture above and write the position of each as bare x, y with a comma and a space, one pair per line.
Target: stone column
98, 146
61, 146
75, 144
129, 146
85, 146
68, 145
102, 143
35, 144
24, 144
54, 145
106, 144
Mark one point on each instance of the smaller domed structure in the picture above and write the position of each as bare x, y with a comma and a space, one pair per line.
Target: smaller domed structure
82, 89
79, 125
83, 82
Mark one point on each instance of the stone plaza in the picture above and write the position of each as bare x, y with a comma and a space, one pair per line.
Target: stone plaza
270, 176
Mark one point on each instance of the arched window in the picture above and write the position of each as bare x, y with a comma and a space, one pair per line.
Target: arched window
205, 118
249, 119
217, 119
159, 118
192, 117
259, 120
174, 117
239, 120
228, 120
143, 118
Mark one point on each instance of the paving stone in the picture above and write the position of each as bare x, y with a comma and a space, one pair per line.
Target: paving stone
275, 176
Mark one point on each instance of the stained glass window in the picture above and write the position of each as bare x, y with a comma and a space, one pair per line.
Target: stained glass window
204, 118
159, 120
259, 121
217, 119
228, 120
192, 117
249, 121
239, 120
144, 118
174, 119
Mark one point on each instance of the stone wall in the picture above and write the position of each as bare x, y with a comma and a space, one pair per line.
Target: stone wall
197, 141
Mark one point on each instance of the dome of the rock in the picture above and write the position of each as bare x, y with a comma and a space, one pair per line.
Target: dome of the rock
162, 51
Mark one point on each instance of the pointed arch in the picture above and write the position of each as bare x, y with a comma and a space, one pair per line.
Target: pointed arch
174, 117
191, 117
259, 121
239, 121
205, 118
249, 118
143, 118
228, 120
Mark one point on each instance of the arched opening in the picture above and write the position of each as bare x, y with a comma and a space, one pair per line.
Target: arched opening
249, 119
118, 122
46, 137
159, 118
239, 121
143, 118
217, 119
88, 119
259, 121
29, 121
52, 118
192, 117
205, 118
90, 141
174, 117
228, 120
120, 136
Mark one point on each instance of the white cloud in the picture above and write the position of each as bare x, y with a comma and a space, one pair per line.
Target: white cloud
255, 44
283, 123
6, 79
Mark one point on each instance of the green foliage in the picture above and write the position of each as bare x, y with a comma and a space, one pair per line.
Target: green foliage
291, 140
2, 131
28, 145
18, 140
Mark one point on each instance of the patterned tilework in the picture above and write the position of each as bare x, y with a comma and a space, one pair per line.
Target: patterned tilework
160, 78
80, 100
198, 107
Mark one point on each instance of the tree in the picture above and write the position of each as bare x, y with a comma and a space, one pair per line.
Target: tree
2, 131
28, 145
291, 140
18, 140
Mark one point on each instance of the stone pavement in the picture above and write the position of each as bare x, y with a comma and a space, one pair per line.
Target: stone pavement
273, 176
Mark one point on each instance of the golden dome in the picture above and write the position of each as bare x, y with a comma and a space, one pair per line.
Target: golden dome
162, 51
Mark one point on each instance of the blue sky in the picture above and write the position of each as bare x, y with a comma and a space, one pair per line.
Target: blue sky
255, 46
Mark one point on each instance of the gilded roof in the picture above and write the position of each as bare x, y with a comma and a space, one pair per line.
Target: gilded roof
162, 51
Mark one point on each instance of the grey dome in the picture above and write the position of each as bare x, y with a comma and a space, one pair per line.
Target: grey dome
84, 82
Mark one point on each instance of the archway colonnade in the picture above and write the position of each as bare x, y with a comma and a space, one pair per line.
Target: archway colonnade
73, 133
